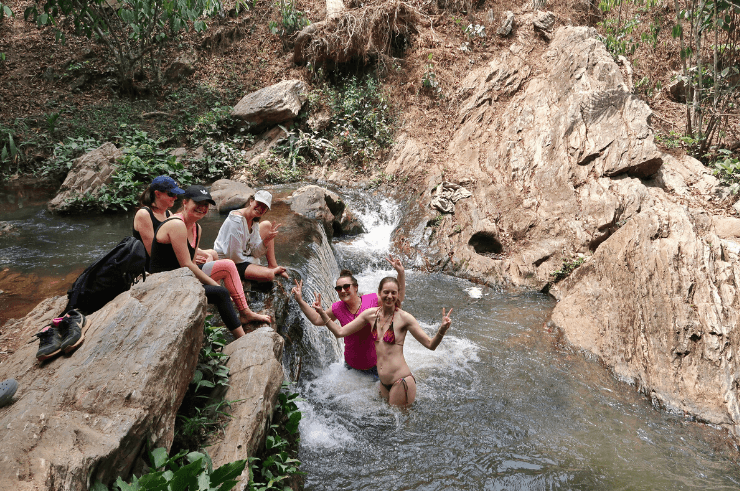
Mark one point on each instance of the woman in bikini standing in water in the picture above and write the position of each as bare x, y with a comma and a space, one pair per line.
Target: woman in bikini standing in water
359, 349
390, 325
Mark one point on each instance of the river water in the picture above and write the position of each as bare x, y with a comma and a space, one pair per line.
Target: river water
501, 404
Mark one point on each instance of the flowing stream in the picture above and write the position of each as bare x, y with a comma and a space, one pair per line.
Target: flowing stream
501, 404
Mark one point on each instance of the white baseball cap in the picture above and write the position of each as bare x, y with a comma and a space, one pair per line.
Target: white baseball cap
264, 197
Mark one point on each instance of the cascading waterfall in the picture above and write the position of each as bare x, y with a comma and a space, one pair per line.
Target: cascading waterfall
500, 405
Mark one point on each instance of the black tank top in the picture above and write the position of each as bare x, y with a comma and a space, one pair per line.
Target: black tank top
163, 255
155, 225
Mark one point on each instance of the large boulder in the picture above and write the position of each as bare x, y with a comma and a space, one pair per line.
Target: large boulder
319, 204
255, 377
86, 417
88, 174
272, 105
658, 303
230, 195
562, 164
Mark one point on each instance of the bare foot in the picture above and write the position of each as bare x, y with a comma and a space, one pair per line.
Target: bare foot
249, 316
280, 271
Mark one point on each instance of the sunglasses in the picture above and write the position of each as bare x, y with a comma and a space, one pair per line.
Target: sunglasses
346, 287
171, 194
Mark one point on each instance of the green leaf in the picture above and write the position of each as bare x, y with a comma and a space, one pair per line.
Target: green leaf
43, 19
158, 457
227, 472
99, 486
677, 31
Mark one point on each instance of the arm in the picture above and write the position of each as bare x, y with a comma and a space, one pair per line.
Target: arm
401, 276
179, 239
310, 313
340, 331
415, 329
143, 225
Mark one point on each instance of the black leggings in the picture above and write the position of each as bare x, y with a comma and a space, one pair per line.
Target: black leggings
219, 296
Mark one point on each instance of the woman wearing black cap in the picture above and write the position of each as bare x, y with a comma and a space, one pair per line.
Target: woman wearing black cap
174, 246
156, 200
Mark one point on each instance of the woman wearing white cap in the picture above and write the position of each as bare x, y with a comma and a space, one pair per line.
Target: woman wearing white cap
244, 239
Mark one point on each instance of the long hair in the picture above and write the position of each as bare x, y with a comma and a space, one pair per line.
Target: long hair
386, 280
147, 197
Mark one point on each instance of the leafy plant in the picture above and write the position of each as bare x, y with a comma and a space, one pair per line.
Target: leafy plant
292, 20
429, 79
727, 169
567, 268
143, 160
278, 463
191, 471
133, 31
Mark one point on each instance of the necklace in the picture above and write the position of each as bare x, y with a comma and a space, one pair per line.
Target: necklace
357, 310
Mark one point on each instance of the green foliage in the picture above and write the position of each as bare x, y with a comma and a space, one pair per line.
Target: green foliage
212, 370
727, 169
186, 471
278, 463
675, 140
429, 79
567, 268
362, 121
618, 39
201, 414
292, 20
143, 160
133, 31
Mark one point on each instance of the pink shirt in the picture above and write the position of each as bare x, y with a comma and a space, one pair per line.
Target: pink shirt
359, 348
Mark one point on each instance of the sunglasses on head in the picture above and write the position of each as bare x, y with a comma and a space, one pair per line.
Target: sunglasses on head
346, 287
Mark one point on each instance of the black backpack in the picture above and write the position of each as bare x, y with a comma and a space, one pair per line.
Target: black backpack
109, 276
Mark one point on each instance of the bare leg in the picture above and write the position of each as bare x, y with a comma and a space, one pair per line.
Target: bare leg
270, 254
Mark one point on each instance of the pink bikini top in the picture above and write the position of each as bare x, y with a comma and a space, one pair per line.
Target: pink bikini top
389, 336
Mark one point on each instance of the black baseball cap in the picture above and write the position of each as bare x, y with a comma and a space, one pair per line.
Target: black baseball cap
196, 192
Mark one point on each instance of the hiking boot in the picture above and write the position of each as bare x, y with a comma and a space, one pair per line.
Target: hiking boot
50, 343
7, 391
70, 330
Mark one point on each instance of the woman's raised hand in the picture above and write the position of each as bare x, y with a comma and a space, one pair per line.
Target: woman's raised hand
446, 321
297, 290
396, 263
317, 306
271, 232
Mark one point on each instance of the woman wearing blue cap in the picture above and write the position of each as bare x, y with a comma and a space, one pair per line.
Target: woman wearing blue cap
156, 200
244, 239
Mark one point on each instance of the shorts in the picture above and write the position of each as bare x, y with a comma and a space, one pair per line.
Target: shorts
372, 371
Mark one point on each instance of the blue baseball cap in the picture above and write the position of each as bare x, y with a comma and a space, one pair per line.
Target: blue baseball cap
165, 184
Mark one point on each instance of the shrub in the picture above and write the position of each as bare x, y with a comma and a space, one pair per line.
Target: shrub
192, 471
143, 160
133, 31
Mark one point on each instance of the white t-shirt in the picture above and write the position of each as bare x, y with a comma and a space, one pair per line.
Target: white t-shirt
236, 242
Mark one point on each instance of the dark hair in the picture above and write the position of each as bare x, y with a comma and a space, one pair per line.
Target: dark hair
346, 273
246, 205
386, 280
147, 197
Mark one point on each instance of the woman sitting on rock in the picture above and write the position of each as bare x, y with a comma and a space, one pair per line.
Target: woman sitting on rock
389, 327
174, 246
244, 239
359, 349
156, 201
